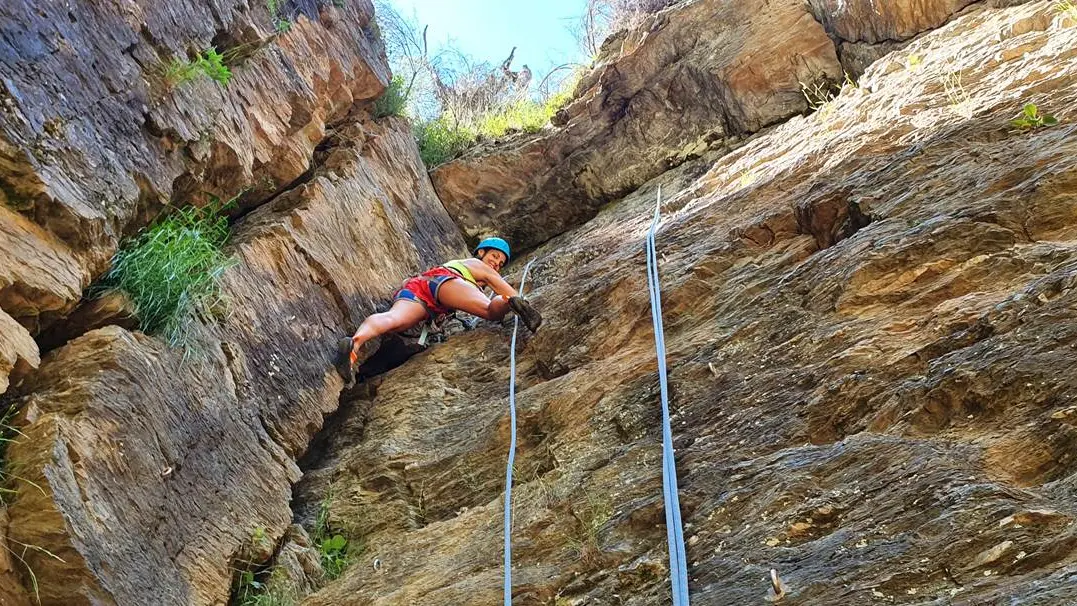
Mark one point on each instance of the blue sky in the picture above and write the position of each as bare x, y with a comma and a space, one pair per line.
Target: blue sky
488, 29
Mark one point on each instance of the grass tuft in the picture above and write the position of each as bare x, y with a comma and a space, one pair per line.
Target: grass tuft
394, 101
252, 592
818, 93
441, 140
172, 270
523, 116
960, 102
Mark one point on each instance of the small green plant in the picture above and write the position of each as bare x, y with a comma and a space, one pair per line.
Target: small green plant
180, 71
913, 62
172, 270
281, 22
212, 65
393, 101
249, 591
333, 548
209, 63
561, 97
441, 140
334, 555
1031, 118
259, 538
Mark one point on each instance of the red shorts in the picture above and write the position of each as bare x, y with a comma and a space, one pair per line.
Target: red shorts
424, 288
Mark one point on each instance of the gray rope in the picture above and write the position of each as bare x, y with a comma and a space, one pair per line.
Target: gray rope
678, 570
512, 447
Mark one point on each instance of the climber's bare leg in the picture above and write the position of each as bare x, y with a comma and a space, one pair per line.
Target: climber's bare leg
459, 294
402, 315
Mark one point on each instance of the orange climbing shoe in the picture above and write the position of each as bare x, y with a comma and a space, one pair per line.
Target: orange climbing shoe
345, 361
531, 317
348, 358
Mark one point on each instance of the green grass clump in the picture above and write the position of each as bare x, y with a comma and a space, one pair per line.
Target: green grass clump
556, 102
393, 101
172, 270
1031, 118
441, 140
252, 592
524, 115
209, 63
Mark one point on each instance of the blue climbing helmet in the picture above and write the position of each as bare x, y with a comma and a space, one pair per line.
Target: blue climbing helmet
496, 244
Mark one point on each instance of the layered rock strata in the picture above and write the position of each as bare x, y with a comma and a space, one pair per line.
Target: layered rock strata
98, 131
146, 470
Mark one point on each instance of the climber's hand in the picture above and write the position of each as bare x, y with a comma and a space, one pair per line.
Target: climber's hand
526, 312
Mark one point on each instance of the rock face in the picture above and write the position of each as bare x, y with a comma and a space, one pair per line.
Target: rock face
873, 22
870, 316
698, 76
152, 472
692, 77
95, 138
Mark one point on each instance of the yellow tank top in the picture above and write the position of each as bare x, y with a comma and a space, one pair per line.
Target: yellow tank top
460, 267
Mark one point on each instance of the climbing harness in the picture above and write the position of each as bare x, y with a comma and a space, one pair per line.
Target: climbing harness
512, 447
678, 571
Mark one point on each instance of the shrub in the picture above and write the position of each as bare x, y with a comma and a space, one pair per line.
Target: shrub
1032, 118
393, 101
441, 140
172, 270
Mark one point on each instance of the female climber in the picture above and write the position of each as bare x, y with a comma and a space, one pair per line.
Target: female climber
456, 285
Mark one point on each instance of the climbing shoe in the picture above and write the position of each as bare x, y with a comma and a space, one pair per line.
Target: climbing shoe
348, 360
531, 317
344, 361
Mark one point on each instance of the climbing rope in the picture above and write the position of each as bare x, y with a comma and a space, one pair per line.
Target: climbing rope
512, 447
678, 571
